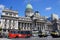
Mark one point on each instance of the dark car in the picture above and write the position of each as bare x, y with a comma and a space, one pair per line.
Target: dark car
42, 34
55, 34
13, 34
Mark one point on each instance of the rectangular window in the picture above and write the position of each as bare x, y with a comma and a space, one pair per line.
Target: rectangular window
14, 14
6, 13
10, 14
13, 23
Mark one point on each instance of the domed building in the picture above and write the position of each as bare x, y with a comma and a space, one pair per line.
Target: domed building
29, 10
29, 6
37, 14
32, 20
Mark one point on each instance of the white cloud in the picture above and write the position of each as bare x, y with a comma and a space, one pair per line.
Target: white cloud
1, 7
48, 8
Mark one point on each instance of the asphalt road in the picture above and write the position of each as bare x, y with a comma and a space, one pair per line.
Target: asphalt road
32, 38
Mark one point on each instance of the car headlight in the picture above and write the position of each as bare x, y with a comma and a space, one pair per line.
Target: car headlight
43, 33
52, 33
57, 33
19, 35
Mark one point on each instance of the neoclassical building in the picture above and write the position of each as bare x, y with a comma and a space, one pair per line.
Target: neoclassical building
31, 21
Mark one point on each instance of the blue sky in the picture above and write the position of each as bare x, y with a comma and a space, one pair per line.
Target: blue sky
45, 7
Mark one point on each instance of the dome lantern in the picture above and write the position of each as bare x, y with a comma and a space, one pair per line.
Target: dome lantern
29, 6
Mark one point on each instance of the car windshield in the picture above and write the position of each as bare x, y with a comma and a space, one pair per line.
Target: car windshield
40, 31
24, 32
54, 31
14, 32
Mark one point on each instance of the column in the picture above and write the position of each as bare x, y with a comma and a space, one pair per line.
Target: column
29, 27
20, 25
11, 24
29, 24
36, 25
26, 26
3, 23
58, 27
43, 30
45, 27
16, 24
7, 24
41, 26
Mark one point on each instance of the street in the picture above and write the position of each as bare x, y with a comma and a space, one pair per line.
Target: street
32, 38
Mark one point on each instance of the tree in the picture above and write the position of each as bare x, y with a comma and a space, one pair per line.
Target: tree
0, 27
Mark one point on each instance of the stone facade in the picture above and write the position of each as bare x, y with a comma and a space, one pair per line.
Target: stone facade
11, 20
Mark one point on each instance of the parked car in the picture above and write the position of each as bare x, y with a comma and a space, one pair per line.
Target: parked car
19, 34
5, 34
24, 34
55, 34
12, 34
42, 34
34, 33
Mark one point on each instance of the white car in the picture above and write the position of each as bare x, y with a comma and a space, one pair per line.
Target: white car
34, 33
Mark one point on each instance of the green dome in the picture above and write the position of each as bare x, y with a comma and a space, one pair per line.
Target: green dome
29, 6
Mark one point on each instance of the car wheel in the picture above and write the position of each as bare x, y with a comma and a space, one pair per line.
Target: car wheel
27, 36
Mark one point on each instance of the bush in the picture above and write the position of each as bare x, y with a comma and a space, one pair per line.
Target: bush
19, 28
0, 29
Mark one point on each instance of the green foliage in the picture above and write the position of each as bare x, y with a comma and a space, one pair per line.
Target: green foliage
19, 28
0, 29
